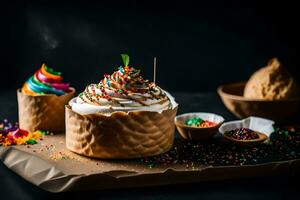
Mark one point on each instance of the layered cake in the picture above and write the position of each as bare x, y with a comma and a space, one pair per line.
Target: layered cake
123, 116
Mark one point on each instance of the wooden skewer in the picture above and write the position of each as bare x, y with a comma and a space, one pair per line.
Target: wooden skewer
154, 70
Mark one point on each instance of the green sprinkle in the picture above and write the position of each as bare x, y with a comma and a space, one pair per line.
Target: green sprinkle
31, 141
151, 165
194, 121
286, 133
45, 132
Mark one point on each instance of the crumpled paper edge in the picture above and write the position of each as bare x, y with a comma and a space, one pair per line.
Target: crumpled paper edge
47, 176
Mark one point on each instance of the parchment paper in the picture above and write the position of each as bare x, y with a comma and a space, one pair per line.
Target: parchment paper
50, 166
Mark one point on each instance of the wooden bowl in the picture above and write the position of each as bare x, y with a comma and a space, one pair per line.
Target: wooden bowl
198, 133
241, 107
261, 139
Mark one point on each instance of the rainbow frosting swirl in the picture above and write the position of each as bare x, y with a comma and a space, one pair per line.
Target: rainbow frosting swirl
124, 90
45, 81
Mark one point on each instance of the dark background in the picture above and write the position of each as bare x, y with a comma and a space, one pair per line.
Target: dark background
199, 45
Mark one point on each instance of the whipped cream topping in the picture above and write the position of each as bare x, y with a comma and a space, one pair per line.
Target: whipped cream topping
124, 90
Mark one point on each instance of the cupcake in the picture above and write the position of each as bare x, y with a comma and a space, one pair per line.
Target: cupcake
42, 100
123, 116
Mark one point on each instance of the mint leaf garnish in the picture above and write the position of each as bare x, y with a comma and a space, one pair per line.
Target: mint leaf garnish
125, 59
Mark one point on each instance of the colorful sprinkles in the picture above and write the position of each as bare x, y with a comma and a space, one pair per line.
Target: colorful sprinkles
242, 134
284, 145
11, 134
199, 122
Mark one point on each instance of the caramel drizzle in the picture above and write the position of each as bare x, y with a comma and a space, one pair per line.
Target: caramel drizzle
88, 94
119, 84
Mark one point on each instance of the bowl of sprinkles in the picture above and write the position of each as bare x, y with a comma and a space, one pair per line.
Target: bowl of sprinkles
198, 125
249, 131
245, 136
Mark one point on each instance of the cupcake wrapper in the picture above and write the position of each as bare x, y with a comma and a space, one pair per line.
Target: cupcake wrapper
121, 135
44, 112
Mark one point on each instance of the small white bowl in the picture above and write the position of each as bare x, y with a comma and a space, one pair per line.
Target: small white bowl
262, 127
258, 124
